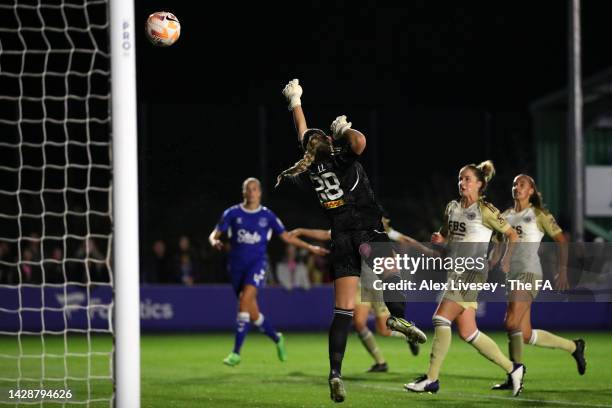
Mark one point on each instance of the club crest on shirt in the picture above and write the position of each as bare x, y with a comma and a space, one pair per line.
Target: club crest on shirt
263, 222
471, 216
527, 218
238, 220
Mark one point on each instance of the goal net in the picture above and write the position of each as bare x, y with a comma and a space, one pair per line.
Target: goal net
56, 282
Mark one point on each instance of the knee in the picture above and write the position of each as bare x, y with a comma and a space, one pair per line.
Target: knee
246, 304
527, 337
346, 304
359, 326
243, 318
382, 329
512, 323
467, 333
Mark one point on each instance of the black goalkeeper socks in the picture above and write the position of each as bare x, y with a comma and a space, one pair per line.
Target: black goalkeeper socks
338, 335
396, 308
394, 300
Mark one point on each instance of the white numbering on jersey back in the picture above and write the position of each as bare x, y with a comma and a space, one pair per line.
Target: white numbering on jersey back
258, 277
328, 186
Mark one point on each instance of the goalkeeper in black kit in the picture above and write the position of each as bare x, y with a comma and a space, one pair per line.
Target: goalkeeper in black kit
330, 165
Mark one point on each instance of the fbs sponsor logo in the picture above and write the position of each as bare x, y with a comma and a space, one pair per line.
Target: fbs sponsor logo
457, 227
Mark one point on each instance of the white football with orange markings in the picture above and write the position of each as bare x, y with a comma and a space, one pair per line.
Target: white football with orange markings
163, 28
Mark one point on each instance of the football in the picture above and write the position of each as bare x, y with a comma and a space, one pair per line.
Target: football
163, 28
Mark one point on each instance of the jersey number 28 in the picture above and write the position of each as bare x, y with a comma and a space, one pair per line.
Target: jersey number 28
328, 186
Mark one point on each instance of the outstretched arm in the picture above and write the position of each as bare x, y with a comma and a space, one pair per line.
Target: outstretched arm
410, 242
341, 128
317, 234
293, 92
293, 240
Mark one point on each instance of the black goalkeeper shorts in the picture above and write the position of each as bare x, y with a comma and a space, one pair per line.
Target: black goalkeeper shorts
345, 256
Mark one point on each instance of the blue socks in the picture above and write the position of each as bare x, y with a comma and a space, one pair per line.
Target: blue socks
242, 328
266, 328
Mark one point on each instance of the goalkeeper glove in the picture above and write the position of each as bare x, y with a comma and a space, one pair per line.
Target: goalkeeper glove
293, 92
339, 126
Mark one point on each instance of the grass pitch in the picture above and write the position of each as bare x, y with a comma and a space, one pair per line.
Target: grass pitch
186, 371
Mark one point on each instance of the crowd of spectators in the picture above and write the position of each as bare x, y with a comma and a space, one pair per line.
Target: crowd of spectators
34, 261
181, 262
188, 264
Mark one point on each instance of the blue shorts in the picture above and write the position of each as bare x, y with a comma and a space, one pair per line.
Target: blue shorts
253, 273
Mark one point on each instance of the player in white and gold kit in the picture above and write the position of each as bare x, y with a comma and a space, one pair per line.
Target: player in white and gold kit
468, 226
531, 221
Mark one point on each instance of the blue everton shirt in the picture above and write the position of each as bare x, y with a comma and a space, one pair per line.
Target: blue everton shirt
249, 232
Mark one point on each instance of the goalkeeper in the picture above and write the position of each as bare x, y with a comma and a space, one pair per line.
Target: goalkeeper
330, 166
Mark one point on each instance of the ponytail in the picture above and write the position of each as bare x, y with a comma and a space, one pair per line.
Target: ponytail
316, 143
484, 173
488, 170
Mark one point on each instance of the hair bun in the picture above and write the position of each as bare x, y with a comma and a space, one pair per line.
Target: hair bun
488, 169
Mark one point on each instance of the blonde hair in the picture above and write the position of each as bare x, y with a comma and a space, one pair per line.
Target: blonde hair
484, 173
246, 182
317, 143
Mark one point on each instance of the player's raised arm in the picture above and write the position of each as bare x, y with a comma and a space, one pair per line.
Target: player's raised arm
341, 128
293, 92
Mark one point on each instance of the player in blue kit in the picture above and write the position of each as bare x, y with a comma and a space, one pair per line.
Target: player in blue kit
249, 227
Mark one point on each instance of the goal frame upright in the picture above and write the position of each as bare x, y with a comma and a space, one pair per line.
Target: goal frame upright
125, 204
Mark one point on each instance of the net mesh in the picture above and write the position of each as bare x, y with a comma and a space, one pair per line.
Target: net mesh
56, 292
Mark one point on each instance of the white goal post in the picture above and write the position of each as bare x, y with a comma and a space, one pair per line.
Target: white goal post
69, 252
125, 199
